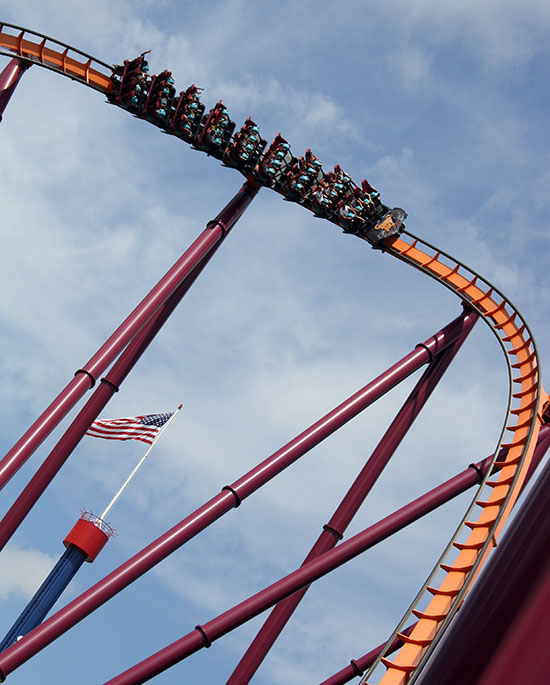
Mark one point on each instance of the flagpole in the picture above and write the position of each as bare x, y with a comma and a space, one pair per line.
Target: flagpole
138, 466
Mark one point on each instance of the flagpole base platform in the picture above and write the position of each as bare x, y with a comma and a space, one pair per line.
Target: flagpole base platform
90, 535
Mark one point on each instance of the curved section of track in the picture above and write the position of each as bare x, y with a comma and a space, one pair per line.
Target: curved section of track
36, 48
496, 497
475, 536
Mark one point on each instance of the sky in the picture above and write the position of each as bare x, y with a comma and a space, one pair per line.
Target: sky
443, 107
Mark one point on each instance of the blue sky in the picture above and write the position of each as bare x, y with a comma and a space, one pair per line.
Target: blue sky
444, 109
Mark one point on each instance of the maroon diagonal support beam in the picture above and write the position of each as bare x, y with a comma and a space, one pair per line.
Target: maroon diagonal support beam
230, 497
357, 667
9, 78
86, 377
106, 389
204, 635
333, 532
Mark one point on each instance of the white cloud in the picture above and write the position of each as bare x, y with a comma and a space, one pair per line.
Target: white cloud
22, 571
502, 34
413, 67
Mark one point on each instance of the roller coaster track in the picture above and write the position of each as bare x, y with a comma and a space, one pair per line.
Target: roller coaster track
495, 498
22, 44
474, 537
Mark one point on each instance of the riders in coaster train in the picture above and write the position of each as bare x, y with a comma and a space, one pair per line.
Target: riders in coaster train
298, 183
359, 202
321, 201
347, 215
133, 84
248, 143
329, 188
139, 89
132, 66
161, 94
296, 189
190, 109
340, 181
310, 164
335, 188
218, 124
274, 162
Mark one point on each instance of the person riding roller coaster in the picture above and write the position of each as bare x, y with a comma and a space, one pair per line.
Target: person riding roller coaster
361, 202
218, 125
160, 97
246, 149
348, 217
275, 163
138, 88
216, 131
321, 200
130, 83
187, 114
297, 187
168, 93
310, 164
339, 182
300, 181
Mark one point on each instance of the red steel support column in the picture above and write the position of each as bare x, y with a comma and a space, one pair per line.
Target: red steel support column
205, 634
333, 532
9, 78
359, 666
107, 388
230, 497
85, 378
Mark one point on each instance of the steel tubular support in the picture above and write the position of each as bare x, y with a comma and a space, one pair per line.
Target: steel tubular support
342, 517
9, 78
349, 673
207, 633
173, 539
85, 378
358, 666
306, 574
101, 396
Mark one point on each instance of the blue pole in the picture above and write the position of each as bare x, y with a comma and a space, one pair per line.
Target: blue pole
46, 596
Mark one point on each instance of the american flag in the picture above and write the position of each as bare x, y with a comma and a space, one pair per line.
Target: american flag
144, 428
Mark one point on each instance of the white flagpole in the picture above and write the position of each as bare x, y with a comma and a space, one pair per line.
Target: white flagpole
138, 466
